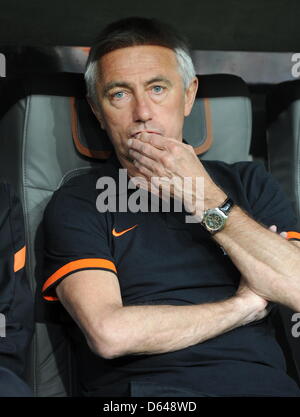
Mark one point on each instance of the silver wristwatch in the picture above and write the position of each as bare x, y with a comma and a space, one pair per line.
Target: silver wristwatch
215, 219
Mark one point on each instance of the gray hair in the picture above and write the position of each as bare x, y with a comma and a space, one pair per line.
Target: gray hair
132, 32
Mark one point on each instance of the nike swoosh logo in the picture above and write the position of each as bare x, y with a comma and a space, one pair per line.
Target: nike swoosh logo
117, 234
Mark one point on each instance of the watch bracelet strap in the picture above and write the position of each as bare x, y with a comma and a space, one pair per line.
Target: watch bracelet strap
226, 206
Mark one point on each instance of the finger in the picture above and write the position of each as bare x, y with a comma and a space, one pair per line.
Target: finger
159, 141
144, 168
143, 148
146, 165
273, 228
140, 182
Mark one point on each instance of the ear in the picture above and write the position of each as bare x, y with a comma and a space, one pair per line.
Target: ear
190, 95
96, 111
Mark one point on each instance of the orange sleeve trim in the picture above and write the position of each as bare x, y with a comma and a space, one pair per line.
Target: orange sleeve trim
293, 235
49, 298
73, 267
19, 259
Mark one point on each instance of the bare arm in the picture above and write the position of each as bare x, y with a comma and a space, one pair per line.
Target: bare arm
93, 299
270, 264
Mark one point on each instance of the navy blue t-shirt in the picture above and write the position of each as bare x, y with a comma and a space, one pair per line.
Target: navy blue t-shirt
161, 259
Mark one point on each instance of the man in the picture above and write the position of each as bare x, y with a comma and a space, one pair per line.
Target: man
161, 309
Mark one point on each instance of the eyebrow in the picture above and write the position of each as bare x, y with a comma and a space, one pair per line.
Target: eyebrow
115, 84
159, 79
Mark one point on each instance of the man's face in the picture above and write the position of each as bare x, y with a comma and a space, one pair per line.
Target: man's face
140, 89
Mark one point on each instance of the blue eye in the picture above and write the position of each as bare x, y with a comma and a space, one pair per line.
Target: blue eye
118, 95
157, 89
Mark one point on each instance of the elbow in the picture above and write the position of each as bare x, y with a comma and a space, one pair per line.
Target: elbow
106, 342
105, 351
101, 349
109, 351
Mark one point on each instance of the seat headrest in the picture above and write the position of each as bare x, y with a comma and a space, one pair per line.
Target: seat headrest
90, 140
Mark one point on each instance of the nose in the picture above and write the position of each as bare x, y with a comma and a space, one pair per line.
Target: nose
142, 111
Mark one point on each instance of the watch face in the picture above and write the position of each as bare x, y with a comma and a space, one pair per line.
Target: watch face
214, 221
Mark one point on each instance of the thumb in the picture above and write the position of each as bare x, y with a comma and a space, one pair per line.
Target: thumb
273, 228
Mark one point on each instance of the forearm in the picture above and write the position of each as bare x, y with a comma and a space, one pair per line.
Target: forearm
270, 264
165, 328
